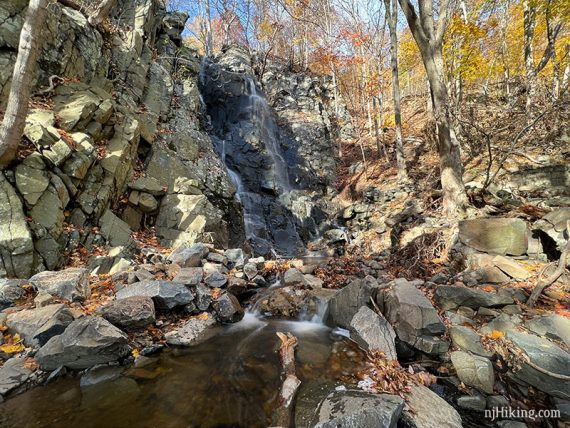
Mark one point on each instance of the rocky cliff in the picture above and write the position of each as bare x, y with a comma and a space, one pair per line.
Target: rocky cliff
113, 142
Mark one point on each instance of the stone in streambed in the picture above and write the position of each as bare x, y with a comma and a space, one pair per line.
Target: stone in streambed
70, 284
129, 313
228, 308
373, 333
192, 332
165, 294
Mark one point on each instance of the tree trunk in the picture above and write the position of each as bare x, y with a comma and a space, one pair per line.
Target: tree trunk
209, 39
102, 11
392, 19
451, 168
530, 71
14, 121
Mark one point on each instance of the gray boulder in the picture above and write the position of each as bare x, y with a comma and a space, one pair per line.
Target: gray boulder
373, 333
228, 308
426, 409
413, 317
190, 276
71, 284
216, 280
495, 235
347, 302
165, 294
203, 297
86, 342
13, 374
193, 331
358, 409
192, 256
451, 297
293, 277
467, 339
474, 371
236, 257
553, 326
549, 357
11, 291
129, 313
37, 326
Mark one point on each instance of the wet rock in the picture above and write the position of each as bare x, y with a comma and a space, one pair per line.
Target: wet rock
216, 280
71, 284
236, 257
426, 409
13, 374
413, 317
11, 291
553, 326
468, 340
192, 256
165, 294
472, 402
100, 374
506, 236
86, 342
37, 326
193, 331
346, 303
451, 297
546, 355
373, 333
357, 409
228, 308
474, 371
129, 313
189, 276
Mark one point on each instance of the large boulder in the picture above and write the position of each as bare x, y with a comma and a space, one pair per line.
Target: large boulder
474, 371
373, 333
413, 317
86, 342
193, 331
71, 284
348, 301
451, 297
507, 236
165, 294
426, 409
547, 356
358, 409
37, 326
553, 326
129, 313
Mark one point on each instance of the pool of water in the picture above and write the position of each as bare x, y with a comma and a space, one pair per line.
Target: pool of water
231, 380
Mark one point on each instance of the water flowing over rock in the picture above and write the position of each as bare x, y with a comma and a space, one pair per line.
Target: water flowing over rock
273, 176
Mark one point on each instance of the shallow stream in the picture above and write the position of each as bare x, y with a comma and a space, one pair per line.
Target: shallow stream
231, 380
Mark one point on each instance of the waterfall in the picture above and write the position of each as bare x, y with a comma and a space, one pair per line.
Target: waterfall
269, 135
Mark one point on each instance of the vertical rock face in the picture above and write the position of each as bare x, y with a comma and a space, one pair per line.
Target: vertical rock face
279, 153
130, 101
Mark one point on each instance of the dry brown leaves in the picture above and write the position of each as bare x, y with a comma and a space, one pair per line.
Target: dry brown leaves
338, 272
388, 376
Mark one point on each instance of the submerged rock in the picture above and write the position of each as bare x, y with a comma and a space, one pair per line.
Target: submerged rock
86, 342
358, 409
165, 294
71, 284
